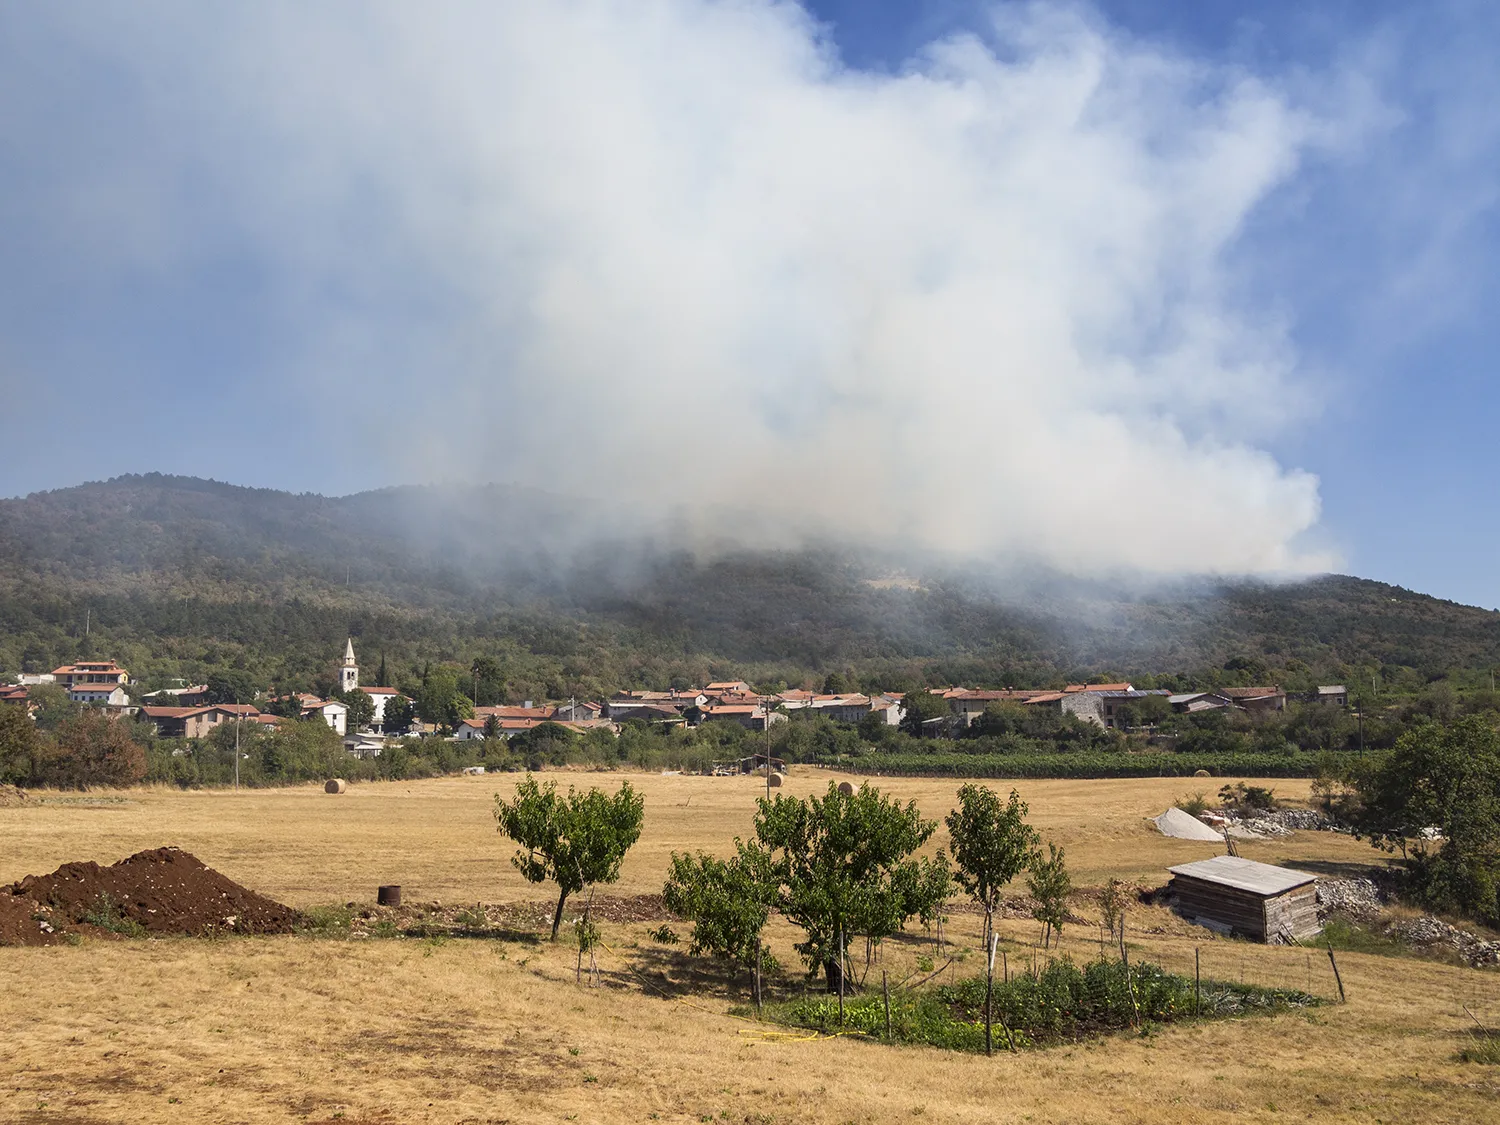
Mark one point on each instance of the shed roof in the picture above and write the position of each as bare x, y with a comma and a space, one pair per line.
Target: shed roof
1244, 874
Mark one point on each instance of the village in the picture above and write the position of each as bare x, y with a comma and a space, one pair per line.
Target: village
384, 714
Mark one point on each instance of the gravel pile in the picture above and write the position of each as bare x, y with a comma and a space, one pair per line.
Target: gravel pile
1361, 899
1426, 932
1282, 822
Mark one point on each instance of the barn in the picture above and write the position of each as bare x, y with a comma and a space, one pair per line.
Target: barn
1255, 900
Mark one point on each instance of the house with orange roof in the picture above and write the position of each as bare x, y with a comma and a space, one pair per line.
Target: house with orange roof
196, 722
90, 673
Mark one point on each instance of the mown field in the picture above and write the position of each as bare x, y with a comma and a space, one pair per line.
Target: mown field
488, 1029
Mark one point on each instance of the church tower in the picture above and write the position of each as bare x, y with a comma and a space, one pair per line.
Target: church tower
348, 670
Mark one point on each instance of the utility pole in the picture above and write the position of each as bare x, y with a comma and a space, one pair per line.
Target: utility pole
766, 712
239, 718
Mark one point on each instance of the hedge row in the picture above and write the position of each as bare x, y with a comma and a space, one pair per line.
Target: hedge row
1086, 765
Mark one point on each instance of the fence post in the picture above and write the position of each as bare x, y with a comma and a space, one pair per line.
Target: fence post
1129, 985
840, 952
989, 992
885, 989
1338, 980
757, 978
1197, 984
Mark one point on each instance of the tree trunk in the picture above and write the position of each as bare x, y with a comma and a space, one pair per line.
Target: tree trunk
557, 915
835, 973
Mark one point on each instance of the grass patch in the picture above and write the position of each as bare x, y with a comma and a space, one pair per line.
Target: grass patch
1346, 934
326, 921
1484, 1049
1061, 1003
105, 913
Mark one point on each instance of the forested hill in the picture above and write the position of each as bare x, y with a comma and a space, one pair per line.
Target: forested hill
175, 575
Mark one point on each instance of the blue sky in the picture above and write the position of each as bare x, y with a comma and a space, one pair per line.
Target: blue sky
267, 247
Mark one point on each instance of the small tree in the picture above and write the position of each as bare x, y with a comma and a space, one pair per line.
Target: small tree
20, 745
574, 841
1112, 909
1050, 884
94, 749
728, 901
841, 866
992, 844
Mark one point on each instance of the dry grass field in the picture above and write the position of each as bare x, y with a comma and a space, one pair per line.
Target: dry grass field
480, 1030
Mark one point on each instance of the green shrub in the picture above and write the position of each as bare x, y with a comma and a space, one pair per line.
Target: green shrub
1195, 805
1484, 1049
1060, 1002
105, 913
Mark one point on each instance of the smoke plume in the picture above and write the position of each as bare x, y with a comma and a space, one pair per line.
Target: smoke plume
675, 255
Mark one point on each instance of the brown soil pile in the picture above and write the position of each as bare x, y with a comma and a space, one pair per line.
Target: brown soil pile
162, 891
11, 796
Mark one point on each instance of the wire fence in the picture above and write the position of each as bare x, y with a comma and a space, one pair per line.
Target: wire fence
1471, 995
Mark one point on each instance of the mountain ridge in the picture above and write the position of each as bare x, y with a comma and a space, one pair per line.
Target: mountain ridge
175, 568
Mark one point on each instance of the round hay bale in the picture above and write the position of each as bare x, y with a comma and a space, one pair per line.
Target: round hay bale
335, 785
774, 781
846, 789
389, 895
1202, 773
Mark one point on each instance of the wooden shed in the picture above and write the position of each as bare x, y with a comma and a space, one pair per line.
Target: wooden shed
1255, 900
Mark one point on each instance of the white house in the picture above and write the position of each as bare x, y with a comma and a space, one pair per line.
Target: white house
381, 696
332, 712
108, 695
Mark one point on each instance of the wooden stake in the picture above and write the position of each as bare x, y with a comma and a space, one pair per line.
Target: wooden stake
885, 989
1130, 986
841, 976
1197, 985
1337, 979
757, 977
989, 992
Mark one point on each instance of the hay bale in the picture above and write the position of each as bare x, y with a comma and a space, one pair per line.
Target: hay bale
335, 785
1202, 773
774, 781
846, 789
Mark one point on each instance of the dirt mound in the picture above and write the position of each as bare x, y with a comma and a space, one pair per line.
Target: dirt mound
162, 891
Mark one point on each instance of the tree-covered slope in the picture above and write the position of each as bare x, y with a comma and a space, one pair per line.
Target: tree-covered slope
174, 574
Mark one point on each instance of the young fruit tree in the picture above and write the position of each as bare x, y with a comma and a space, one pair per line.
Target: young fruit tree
992, 844
1050, 885
842, 866
728, 901
573, 841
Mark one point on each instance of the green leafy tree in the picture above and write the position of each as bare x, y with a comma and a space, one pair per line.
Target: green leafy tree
919, 706
1050, 884
728, 901
992, 844
361, 710
231, 685
20, 745
842, 865
573, 841
94, 749
53, 707
399, 715
491, 727
441, 702
486, 677
1445, 778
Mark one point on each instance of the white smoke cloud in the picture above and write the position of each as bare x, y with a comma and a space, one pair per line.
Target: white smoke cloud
671, 252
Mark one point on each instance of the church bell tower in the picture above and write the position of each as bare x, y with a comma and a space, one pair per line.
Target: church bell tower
348, 670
